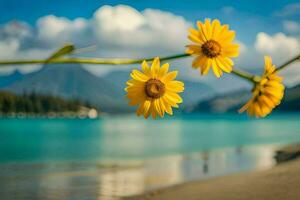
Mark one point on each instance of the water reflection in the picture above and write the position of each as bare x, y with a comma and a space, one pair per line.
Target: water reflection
105, 181
124, 182
205, 157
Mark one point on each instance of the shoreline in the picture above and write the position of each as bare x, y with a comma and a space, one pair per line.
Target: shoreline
180, 175
280, 182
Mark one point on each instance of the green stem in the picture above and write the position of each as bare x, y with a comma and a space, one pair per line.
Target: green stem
287, 63
108, 61
104, 61
245, 75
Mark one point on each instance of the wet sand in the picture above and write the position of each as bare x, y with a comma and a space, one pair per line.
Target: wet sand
279, 183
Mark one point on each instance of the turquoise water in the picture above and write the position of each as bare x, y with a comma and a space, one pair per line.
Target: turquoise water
129, 137
134, 138
114, 157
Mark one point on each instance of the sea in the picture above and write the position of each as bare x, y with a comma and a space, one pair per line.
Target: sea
113, 157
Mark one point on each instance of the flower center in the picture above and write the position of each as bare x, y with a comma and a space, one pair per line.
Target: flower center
211, 48
154, 88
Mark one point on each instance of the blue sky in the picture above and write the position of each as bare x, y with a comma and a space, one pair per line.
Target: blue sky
31, 10
254, 14
140, 28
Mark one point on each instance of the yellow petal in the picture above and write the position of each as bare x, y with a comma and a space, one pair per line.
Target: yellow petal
157, 107
170, 100
202, 31
268, 61
168, 107
226, 62
140, 110
231, 50
227, 37
225, 68
196, 36
216, 69
163, 70
224, 30
147, 105
208, 28
199, 61
216, 28
205, 66
193, 32
257, 109
195, 39
146, 68
250, 110
264, 110
154, 113
155, 67
194, 49
137, 75
275, 77
246, 106
266, 101
175, 86
162, 106
144, 108
169, 77
174, 96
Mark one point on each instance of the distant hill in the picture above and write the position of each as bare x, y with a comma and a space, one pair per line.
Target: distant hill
231, 102
106, 93
71, 81
222, 103
39, 104
6, 80
291, 101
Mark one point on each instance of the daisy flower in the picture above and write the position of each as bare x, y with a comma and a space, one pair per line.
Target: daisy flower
213, 47
154, 90
266, 94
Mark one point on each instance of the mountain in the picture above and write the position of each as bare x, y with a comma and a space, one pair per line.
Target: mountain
221, 103
106, 93
72, 81
231, 102
291, 101
6, 80
195, 92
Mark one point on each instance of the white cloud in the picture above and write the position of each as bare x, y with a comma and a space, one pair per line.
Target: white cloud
282, 48
289, 10
54, 31
51, 27
143, 32
119, 18
14, 37
279, 45
291, 26
8, 48
119, 31
15, 29
119, 28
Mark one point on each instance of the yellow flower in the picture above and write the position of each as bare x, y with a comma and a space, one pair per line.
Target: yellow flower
213, 47
154, 90
267, 93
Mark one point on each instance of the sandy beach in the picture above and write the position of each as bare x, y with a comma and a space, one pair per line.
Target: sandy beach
279, 183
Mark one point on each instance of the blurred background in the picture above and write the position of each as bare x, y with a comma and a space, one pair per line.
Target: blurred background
67, 132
